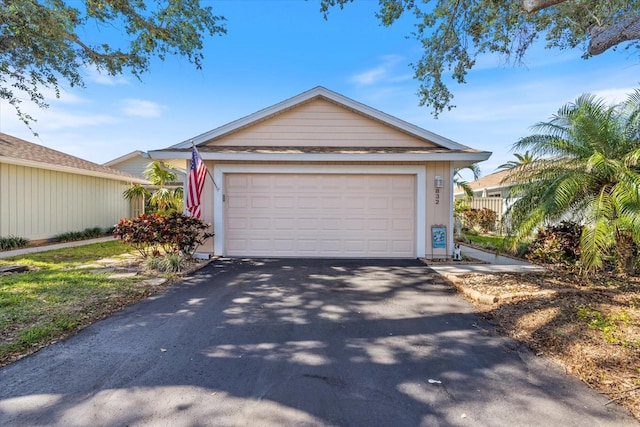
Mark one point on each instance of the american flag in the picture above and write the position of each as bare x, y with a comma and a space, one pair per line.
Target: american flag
195, 183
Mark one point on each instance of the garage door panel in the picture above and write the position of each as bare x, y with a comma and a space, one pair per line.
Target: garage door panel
320, 215
260, 182
260, 202
308, 202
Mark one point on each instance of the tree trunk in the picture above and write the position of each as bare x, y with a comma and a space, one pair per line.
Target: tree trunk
624, 253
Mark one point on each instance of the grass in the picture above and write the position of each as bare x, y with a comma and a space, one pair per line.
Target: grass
488, 242
55, 299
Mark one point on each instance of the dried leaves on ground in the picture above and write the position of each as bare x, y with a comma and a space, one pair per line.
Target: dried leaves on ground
588, 324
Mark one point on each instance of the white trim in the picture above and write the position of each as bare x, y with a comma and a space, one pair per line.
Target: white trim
452, 221
76, 171
328, 157
419, 171
121, 159
322, 92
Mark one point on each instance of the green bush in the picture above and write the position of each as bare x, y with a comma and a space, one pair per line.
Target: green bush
12, 242
152, 233
87, 233
483, 219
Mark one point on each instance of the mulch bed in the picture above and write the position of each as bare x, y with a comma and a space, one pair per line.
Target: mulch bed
589, 324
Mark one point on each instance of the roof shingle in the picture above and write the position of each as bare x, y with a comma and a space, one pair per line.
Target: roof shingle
19, 149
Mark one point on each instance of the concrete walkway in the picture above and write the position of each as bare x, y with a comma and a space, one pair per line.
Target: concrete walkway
489, 263
23, 251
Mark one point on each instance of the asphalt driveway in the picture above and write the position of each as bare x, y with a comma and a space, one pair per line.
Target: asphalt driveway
297, 342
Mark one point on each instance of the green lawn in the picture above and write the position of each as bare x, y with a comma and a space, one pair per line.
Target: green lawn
55, 299
491, 242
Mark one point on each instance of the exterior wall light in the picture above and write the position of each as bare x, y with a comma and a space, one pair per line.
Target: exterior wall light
439, 182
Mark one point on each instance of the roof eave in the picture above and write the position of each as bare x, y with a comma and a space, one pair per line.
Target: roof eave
128, 156
456, 157
68, 169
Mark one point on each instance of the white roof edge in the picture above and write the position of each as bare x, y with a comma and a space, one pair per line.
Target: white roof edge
319, 157
68, 169
125, 157
336, 97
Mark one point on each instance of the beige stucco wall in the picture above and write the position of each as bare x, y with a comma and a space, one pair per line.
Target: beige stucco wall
39, 203
324, 124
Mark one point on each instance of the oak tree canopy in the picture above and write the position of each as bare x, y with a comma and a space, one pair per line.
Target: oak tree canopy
453, 33
44, 43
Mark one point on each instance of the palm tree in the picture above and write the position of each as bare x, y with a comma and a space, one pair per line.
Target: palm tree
163, 199
588, 170
460, 182
522, 160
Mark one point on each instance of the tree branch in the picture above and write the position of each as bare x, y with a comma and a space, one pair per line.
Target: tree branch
602, 38
92, 53
531, 6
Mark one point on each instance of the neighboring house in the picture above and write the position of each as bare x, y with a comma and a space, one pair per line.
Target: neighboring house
490, 191
321, 175
44, 192
136, 162
488, 186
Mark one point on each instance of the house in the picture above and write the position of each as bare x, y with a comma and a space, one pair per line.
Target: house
492, 185
490, 191
321, 175
136, 162
44, 192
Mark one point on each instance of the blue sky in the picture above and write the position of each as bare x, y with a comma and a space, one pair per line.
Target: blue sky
277, 49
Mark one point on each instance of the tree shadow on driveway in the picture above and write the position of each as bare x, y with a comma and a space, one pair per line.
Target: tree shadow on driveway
297, 342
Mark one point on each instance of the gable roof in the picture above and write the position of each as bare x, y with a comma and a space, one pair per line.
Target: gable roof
19, 152
131, 155
458, 153
490, 182
323, 93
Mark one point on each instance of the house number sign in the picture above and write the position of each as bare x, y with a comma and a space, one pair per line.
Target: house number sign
437, 196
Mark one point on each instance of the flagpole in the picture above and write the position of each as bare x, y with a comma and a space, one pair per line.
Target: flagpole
193, 147
208, 173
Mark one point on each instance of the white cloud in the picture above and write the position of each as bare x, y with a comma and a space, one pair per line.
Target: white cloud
614, 95
381, 72
142, 108
96, 76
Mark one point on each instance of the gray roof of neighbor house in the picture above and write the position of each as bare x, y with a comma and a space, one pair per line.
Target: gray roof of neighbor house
490, 182
23, 153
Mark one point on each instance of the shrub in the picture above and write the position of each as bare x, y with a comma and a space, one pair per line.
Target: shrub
167, 263
12, 242
557, 244
173, 233
87, 233
483, 219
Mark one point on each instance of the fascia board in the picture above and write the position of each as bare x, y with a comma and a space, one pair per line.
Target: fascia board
328, 157
67, 169
124, 158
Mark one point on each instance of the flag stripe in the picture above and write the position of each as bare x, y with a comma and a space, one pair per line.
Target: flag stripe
195, 183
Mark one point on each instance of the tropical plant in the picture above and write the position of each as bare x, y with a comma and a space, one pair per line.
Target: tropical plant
162, 199
588, 172
521, 160
153, 234
459, 181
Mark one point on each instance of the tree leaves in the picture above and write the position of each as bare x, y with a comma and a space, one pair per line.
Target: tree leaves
41, 46
591, 177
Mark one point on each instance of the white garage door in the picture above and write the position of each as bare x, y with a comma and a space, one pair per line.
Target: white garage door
320, 215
